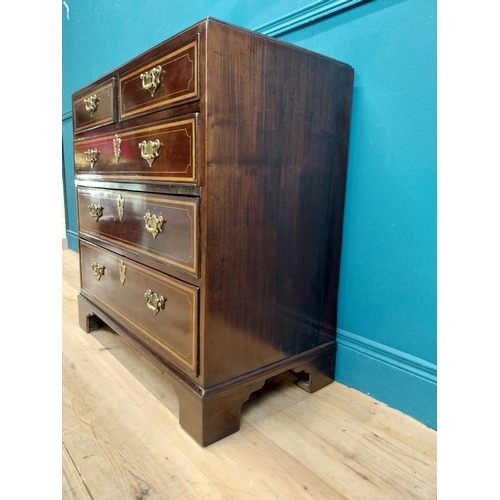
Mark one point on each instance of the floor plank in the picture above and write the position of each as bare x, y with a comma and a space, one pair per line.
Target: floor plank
73, 484
122, 440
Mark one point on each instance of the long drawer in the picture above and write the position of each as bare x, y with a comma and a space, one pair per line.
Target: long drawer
162, 151
160, 310
162, 227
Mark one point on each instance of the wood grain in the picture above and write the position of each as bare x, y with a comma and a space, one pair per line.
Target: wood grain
73, 484
122, 439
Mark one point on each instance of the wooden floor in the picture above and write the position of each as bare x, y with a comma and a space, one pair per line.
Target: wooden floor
121, 438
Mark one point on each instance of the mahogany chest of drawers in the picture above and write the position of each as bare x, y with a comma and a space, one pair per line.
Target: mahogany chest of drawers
210, 175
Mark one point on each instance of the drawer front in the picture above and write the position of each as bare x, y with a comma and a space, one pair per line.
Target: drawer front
163, 82
94, 108
159, 152
162, 227
158, 309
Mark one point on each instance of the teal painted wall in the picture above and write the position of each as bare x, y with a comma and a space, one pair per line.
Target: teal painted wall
387, 296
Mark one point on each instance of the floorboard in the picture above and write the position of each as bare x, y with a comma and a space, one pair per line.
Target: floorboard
122, 440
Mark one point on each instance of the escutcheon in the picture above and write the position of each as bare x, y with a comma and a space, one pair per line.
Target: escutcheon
122, 271
121, 206
117, 151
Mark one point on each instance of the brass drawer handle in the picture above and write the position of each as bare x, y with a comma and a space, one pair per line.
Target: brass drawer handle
151, 80
91, 104
153, 224
98, 270
155, 301
92, 156
96, 211
149, 150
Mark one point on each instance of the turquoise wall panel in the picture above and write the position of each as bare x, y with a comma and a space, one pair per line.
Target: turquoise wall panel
387, 295
69, 184
389, 252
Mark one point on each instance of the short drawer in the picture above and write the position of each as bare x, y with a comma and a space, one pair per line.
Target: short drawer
160, 310
168, 80
95, 107
163, 151
162, 227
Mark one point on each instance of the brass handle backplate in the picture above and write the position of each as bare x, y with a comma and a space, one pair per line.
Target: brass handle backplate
151, 80
98, 270
91, 104
91, 156
153, 224
96, 211
149, 150
154, 301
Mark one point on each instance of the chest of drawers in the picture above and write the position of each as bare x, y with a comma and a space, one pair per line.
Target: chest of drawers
210, 175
